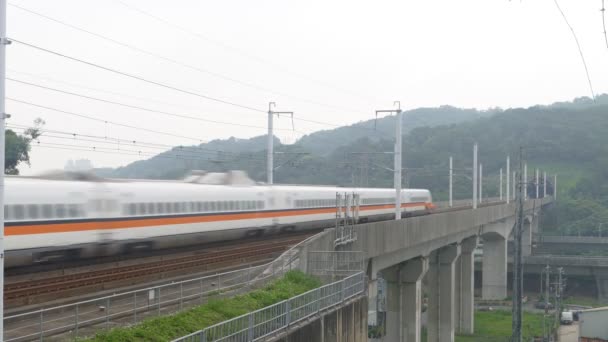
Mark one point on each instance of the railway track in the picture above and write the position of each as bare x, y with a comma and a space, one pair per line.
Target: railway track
21, 292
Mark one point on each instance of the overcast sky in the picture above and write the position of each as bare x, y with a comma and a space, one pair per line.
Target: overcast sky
332, 61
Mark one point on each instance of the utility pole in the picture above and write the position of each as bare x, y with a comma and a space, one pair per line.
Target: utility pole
508, 176
451, 175
555, 187
475, 176
514, 184
526, 181
537, 184
500, 191
480, 183
270, 142
3, 42
516, 323
397, 156
544, 184
547, 273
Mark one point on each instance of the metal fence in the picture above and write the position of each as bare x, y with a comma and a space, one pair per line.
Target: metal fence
272, 319
87, 317
335, 263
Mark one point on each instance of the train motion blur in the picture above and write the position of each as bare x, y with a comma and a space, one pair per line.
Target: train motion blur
72, 215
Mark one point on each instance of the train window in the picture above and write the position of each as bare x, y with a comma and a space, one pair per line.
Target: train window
151, 208
60, 210
18, 212
47, 211
32, 211
74, 210
174, 208
132, 210
239, 205
199, 206
184, 207
142, 209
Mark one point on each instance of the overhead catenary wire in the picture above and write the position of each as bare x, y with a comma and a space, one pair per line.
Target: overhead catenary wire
580, 50
603, 10
174, 61
135, 77
90, 117
122, 143
235, 50
183, 116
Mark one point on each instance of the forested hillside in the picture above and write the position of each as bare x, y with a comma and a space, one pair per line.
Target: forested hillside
570, 139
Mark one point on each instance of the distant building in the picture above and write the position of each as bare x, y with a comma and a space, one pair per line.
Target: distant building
78, 165
592, 325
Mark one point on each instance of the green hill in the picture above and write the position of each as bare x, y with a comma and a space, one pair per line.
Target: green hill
568, 138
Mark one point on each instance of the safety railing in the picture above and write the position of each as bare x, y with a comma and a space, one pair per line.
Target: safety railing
85, 318
273, 319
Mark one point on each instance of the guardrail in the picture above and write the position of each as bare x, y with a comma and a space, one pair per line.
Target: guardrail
272, 319
85, 318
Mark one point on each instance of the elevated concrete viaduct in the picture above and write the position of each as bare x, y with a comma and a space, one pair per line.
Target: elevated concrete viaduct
437, 248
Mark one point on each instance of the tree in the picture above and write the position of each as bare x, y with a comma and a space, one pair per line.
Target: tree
18, 146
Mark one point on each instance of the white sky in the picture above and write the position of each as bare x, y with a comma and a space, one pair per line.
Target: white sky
352, 56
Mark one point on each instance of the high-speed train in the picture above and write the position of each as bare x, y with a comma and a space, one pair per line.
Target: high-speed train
79, 216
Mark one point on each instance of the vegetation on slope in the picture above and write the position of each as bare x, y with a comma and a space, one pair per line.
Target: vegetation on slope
167, 328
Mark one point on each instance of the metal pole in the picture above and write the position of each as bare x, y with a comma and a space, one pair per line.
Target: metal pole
3, 42
525, 184
544, 184
451, 175
270, 146
508, 178
480, 182
555, 187
516, 323
475, 176
500, 191
537, 184
398, 166
513, 185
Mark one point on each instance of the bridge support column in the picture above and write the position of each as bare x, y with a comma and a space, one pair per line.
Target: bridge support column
393, 303
494, 267
411, 279
441, 294
372, 296
464, 287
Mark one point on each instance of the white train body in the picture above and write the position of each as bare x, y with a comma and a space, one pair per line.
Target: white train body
48, 219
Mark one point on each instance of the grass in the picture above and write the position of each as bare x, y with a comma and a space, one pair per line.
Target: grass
583, 301
496, 326
170, 327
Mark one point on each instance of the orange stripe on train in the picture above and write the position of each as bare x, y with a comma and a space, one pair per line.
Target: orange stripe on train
148, 222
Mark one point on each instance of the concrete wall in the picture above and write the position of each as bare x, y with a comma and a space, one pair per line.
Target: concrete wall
388, 243
345, 324
593, 323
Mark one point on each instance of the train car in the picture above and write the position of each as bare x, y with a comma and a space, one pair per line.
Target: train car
51, 218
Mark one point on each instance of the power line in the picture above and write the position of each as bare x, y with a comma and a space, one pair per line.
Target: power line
135, 77
603, 10
89, 117
171, 60
580, 51
125, 142
184, 116
232, 48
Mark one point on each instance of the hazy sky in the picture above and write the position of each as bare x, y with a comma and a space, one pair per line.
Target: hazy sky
332, 61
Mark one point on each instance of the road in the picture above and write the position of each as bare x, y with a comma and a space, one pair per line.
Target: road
568, 333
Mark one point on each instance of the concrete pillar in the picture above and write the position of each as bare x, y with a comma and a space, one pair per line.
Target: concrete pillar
464, 287
372, 296
393, 303
494, 267
411, 274
440, 315
527, 237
